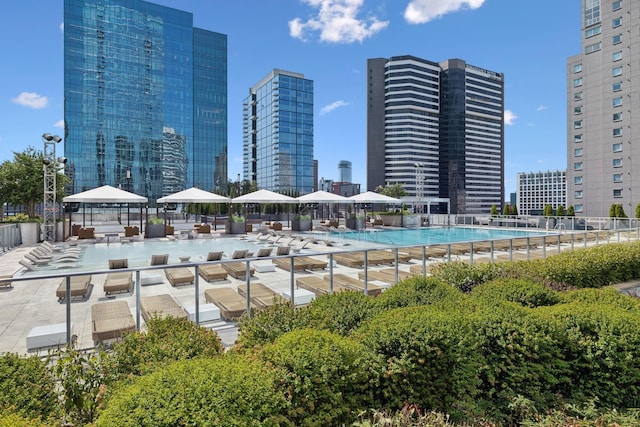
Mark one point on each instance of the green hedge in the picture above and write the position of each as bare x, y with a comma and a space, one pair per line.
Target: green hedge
520, 291
165, 340
419, 291
264, 326
429, 357
225, 391
327, 377
27, 388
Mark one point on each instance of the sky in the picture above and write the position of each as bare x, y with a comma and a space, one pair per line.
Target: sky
329, 41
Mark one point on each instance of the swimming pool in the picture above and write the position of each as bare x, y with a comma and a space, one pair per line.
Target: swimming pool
428, 236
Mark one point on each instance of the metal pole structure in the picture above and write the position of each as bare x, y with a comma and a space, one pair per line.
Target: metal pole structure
419, 186
50, 168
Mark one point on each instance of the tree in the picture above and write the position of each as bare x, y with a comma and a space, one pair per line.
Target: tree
514, 210
548, 210
506, 210
612, 210
620, 211
638, 210
571, 211
494, 210
22, 181
393, 190
560, 211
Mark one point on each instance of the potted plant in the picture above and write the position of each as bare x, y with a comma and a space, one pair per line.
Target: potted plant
355, 222
236, 225
301, 222
29, 227
155, 228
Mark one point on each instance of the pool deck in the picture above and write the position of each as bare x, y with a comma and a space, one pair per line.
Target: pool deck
33, 303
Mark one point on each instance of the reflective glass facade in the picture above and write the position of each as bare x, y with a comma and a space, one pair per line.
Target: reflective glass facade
145, 98
278, 133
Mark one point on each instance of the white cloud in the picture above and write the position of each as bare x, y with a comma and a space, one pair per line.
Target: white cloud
337, 22
540, 162
541, 107
31, 100
423, 11
509, 117
59, 124
329, 108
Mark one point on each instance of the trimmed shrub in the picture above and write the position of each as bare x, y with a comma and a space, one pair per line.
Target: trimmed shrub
340, 313
522, 353
430, 357
8, 419
327, 378
26, 387
519, 291
264, 326
602, 348
464, 276
226, 391
419, 291
165, 340
603, 296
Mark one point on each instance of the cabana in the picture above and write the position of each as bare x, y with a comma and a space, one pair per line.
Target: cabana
371, 197
323, 197
192, 195
264, 196
105, 194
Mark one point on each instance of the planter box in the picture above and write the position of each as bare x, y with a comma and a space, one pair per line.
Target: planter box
411, 221
30, 232
155, 230
355, 223
235, 227
392, 220
301, 224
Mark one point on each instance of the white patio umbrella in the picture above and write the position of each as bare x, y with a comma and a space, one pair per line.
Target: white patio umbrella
373, 197
194, 195
263, 196
322, 197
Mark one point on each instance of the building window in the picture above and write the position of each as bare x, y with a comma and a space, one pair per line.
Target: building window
577, 166
590, 32
617, 147
577, 194
616, 5
617, 71
616, 22
577, 138
591, 12
577, 68
617, 116
617, 132
617, 101
591, 48
617, 177
577, 152
577, 180
578, 207
577, 110
577, 124
617, 86
617, 163
577, 82
616, 39
616, 56
577, 96
617, 192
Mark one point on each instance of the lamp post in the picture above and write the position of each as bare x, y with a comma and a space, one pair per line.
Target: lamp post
419, 185
50, 168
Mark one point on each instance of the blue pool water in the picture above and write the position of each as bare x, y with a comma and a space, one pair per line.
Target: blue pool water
428, 236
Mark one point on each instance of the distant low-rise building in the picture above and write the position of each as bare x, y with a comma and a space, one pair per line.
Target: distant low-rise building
535, 190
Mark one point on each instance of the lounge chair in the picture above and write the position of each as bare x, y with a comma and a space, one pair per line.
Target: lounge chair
212, 272
179, 276
31, 267
239, 254
163, 305
262, 296
159, 259
314, 264
386, 275
354, 283
298, 264
41, 253
264, 252
230, 303
80, 286
118, 281
283, 250
214, 256
35, 260
318, 285
7, 284
110, 320
238, 269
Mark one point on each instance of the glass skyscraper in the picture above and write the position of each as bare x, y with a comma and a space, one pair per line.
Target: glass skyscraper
278, 133
145, 98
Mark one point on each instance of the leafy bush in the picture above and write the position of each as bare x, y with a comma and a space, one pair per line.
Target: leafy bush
20, 217
340, 313
9, 419
327, 376
521, 291
155, 221
419, 291
225, 391
465, 276
430, 357
164, 341
26, 387
264, 326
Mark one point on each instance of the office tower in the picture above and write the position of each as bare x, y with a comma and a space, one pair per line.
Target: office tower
535, 190
145, 98
344, 171
437, 129
277, 133
603, 109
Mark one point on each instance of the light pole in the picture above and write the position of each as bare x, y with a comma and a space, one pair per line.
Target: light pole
419, 185
50, 168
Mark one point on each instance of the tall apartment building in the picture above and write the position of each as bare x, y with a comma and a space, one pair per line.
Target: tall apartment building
438, 129
344, 171
603, 109
277, 133
145, 98
535, 190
